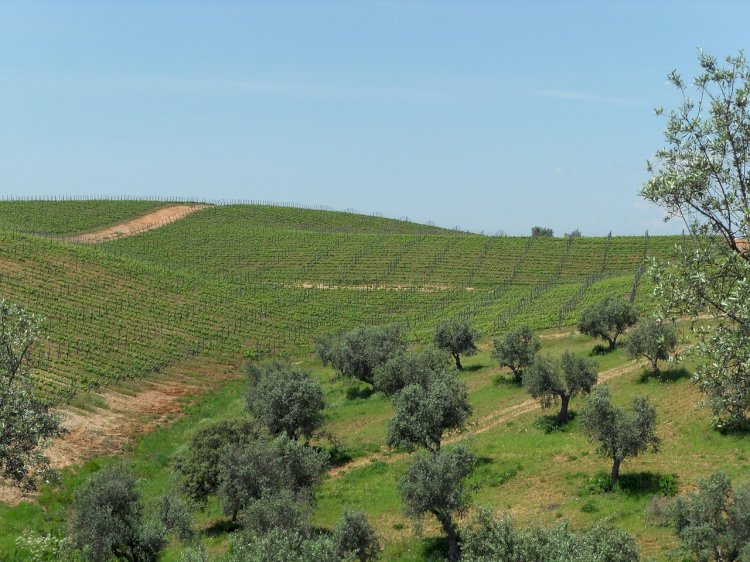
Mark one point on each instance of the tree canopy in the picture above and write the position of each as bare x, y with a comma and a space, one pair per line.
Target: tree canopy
516, 350
416, 367
549, 380
653, 339
620, 434
285, 399
713, 522
108, 519
457, 338
492, 538
434, 484
359, 352
608, 319
700, 177
199, 465
424, 413
27, 422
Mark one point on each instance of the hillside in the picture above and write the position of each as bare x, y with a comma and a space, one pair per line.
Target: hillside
186, 304
258, 279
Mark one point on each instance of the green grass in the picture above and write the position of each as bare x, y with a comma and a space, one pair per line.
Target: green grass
248, 281
538, 477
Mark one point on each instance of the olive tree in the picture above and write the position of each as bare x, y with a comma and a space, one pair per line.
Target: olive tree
403, 369
516, 350
608, 319
434, 484
108, 519
354, 537
549, 380
424, 413
27, 422
360, 351
653, 339
457, 338
493, 538
713, 522
620, 434
285, 399
265, 467
199, 465
700, 177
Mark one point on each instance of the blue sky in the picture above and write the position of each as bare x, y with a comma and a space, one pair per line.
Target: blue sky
488, 115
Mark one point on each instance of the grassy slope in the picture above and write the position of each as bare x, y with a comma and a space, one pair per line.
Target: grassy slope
65, 218
540, 478
231, 284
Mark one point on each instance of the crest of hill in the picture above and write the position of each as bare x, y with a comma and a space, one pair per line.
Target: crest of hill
66, 218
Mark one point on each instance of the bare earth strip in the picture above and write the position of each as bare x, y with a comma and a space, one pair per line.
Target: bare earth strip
138, 225
112, 429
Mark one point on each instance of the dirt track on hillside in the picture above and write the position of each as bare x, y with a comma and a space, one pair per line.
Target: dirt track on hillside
144, 223
481, 425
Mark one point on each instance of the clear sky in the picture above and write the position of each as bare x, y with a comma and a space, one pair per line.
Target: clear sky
488, 115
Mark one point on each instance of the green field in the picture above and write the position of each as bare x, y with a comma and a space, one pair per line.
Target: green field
233, 282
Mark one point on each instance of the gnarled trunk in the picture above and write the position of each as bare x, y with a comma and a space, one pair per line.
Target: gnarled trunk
614, 477
457, 357
564, 415
454, 553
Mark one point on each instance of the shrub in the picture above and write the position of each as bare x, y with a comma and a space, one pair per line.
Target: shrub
669, 485
354, 536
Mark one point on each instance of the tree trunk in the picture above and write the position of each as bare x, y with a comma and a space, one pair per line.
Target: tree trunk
564, 414
615, 475
655, 365
457, 357
454, 553
612, 342
517, 376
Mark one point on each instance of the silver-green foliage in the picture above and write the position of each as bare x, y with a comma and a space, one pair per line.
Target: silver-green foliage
434, 484
653, 339
403, 369
620, 434
549, 380
285, 399
516, 350
458, 338
424, 413
493, 538
26, 421
701, 176
108, 520
713, 522
266, 467
608, 319
358, 352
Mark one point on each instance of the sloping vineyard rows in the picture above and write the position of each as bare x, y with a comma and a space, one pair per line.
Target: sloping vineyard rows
64, 218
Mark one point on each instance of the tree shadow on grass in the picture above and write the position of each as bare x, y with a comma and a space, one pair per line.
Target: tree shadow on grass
359, 392
601, 349
640, 484
550, 424
668, 375
222, 527
434, 549
506, 380
472, 368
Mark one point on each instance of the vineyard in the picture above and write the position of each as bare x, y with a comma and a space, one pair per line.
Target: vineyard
260, 279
